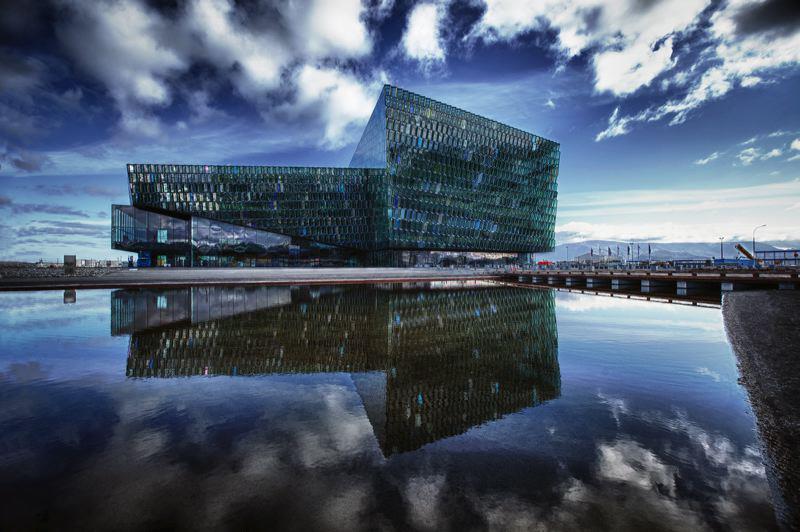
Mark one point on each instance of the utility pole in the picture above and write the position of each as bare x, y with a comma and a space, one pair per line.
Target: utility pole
721, 252
754, 238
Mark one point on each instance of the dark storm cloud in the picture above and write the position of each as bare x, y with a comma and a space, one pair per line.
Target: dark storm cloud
16, 124
782, 16
23, 22
19, 73
32, 208
25, 160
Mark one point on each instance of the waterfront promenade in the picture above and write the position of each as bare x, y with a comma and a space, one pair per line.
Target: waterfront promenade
246, 276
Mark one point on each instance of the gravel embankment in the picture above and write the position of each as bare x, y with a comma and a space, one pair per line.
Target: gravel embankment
764, 329
33, 272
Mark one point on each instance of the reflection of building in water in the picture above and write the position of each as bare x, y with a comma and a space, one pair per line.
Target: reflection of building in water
427, 363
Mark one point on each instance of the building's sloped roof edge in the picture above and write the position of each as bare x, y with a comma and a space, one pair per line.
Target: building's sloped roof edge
388, 86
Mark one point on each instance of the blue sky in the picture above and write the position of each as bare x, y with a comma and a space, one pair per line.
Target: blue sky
679, 120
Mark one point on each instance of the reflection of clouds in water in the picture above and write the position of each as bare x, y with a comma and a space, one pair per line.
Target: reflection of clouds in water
174, 454
24, 372
585, 506
716, 448
617, 405
346, 507
635, 487
423, 496
709, 373
573, 302
299, 453
692, 480
627, 461
650, 317
586, 303
735, 470
345, 432
20, 308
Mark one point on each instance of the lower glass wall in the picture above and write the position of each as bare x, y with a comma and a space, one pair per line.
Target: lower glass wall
164, 241
160, 240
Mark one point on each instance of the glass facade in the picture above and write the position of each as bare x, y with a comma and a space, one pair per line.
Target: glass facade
458, 181
156, 237
425, 176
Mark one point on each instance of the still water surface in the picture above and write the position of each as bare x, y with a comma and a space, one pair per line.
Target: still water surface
372, 407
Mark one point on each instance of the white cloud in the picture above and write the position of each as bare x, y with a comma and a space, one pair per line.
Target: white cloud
140, 55
795, 145
235, 50
342, 99
624, 71
122, 44
705, 160
735, 58
333, 28
631, 41
748, 155
422, 39
750, 81
550, 103
616, 126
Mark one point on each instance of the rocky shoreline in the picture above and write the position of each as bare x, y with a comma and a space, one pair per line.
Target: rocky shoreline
764, 330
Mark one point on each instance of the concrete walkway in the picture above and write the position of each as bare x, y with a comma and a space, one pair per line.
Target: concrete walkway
245, 276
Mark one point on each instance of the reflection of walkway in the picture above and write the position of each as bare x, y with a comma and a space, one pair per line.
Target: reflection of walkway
427, 363
698, 299
764, 329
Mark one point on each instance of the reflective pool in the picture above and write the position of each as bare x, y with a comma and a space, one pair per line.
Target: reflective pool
435, 406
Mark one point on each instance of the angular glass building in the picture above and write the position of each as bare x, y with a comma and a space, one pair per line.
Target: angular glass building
425, 176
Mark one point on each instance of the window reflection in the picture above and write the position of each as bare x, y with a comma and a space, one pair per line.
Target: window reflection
428, 361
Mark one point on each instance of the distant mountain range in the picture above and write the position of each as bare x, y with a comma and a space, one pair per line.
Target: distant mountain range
661, 250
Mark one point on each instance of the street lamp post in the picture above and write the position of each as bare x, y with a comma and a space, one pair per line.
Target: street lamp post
754, 238
721, 252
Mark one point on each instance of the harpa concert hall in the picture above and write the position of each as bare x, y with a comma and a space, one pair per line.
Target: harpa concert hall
427, 182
